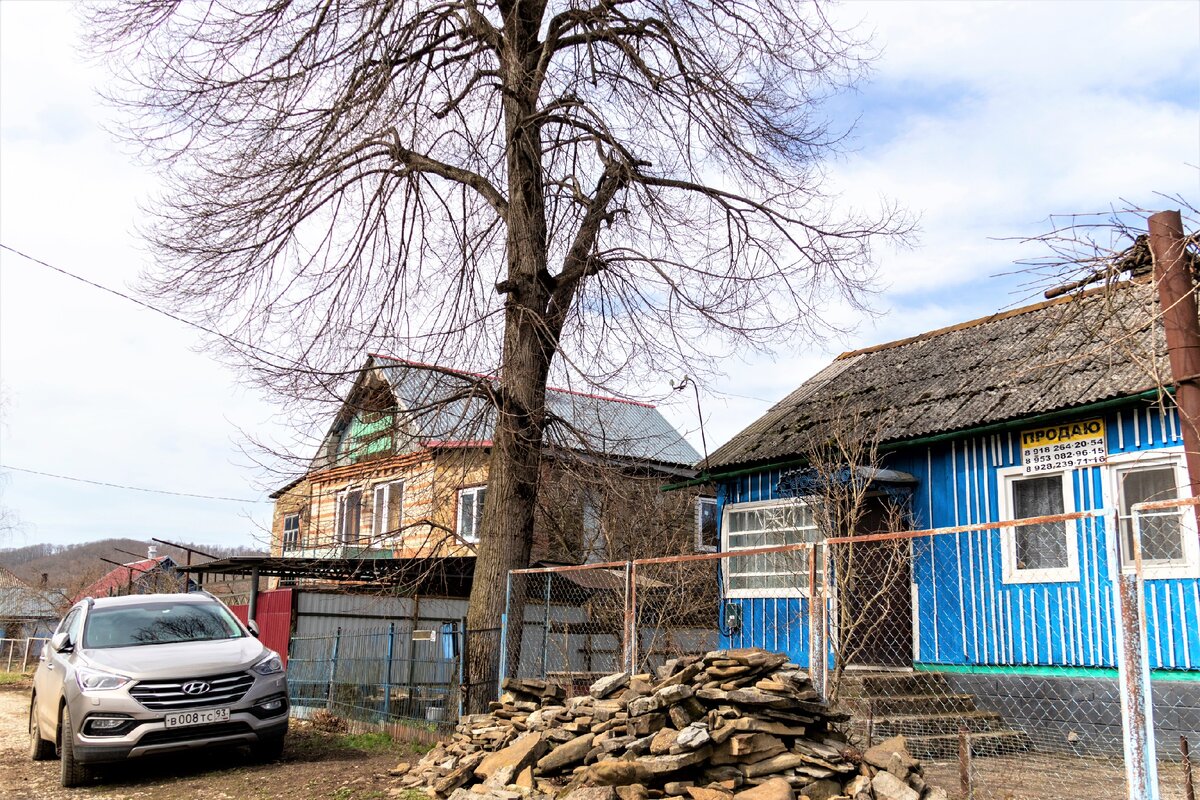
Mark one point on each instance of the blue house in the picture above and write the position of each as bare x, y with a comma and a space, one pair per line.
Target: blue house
1053, 408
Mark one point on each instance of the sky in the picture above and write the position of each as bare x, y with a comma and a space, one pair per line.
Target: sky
982, 119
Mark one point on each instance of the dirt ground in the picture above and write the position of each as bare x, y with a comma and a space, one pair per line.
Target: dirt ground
315, 765
322, 766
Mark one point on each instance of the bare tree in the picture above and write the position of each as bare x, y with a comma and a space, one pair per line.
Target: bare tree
848, 496
633, 187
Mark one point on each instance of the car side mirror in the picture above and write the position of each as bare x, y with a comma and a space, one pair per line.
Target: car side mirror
61, 642
253, 626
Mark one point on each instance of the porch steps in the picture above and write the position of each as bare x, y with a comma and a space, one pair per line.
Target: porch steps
923, 708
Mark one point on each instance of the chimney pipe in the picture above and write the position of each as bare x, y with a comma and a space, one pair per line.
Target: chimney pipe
152, 551
1181, 322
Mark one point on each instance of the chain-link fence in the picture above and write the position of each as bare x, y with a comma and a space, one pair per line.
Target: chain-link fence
378, 676
1044, 657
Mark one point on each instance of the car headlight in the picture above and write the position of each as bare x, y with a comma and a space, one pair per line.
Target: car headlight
94, 680
269, 665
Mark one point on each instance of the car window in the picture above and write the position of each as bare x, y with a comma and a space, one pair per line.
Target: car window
75, 626
65, 624
159, 623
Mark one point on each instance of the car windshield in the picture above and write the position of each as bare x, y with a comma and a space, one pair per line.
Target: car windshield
159, 623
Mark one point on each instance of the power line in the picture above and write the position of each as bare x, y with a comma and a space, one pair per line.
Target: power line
131, 488
170, 315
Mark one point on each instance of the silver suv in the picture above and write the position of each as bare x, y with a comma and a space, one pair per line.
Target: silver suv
124, 677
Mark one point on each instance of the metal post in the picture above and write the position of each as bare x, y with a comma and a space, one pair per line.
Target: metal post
1189, 789
387, 685
461, 654
252, 611
546, 630
1177, 297
1133, 672
964, 764
818, 654
333, 659
25, 657
631, 629
503, 634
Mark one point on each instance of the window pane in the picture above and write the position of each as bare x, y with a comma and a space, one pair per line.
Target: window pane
1162, 535
395, 505
1041, 546
466, 516
707, 535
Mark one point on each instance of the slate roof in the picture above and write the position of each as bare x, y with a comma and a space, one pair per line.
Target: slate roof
19, 600
440, 417
1047, 357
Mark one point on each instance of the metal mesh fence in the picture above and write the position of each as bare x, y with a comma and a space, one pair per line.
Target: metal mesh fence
1045, 657
371, 676
574, 624
21, 655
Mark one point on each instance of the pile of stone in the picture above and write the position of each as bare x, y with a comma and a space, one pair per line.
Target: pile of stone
733, 723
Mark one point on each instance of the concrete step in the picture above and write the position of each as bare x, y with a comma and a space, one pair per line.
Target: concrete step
890, 684
983, 744
917, 704
938, 724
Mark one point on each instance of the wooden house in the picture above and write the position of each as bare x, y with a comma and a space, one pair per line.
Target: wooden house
1054, 408
403, 473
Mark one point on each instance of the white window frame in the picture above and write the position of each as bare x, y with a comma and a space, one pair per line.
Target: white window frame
1189, 566
283, 542
701, 547
1005, 478
381, 505
339, 509
473, 493
796, 591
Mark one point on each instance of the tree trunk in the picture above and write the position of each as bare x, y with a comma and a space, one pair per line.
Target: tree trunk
529, 345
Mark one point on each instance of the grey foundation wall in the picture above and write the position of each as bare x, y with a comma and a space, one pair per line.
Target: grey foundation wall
1083, 715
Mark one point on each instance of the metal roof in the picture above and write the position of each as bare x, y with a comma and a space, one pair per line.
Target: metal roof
447, 408
1052, 356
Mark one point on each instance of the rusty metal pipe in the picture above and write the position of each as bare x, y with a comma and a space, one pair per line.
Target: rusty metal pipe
1181, 323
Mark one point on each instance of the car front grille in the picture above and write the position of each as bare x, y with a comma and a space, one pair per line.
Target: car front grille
191, 734
170, 696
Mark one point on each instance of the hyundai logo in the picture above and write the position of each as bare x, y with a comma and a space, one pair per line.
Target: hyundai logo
195, 687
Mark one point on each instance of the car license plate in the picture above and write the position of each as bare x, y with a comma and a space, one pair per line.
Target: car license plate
184, 719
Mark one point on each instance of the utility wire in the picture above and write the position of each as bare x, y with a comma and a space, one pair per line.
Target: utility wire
155, 309
131, 488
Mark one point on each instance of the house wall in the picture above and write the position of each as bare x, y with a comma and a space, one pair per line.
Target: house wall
965, 613
780, 624
429, 509
633, 517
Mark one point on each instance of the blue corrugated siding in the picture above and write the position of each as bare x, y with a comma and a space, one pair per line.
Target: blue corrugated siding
776, 623
966, 613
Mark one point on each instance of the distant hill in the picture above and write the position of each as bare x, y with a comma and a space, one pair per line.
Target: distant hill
74, 566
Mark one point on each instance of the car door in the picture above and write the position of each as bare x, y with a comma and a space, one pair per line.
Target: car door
52, 672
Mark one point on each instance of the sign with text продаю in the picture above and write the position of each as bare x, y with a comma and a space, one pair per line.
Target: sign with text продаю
1065, 446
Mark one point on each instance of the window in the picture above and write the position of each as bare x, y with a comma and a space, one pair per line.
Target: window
349, 512
707, 535
291, 532
1043, 552
470, 512
1168, 536
389, 508
594, 550
768, 524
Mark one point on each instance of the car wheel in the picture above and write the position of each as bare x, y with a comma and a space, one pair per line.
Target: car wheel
269, 749
73, 773
39, 748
